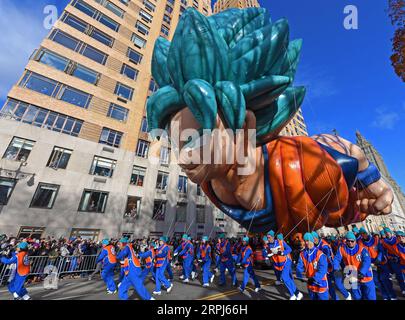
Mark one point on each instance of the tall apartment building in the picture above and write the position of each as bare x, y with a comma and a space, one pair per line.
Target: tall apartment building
222, 5
73, 135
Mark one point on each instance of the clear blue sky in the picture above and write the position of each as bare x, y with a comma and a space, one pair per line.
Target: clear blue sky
350, 82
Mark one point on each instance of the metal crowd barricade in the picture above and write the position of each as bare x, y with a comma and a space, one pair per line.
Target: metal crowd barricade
42, 265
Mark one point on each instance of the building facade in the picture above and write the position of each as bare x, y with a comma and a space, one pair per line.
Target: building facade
73, 134
222, 5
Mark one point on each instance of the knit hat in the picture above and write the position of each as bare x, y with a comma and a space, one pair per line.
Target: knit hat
105, 242
280, 236
315, 235
350, 236
309, 237
245, 239
265, 239
22, 245
124, 240
185, 237
205, 238
355, 229
270, 233
362, 230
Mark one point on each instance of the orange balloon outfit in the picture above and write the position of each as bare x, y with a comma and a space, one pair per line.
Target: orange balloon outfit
310, 188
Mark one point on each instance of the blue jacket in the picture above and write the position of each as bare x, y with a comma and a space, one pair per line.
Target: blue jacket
322, 264
207, 255
246, 261
186, 250
365, 263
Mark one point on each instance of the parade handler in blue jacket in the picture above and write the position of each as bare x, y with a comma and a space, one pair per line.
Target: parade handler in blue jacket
22, 270
314, 264
186, 251
108, 258
133, 275
204, 257
357, 265
245, 259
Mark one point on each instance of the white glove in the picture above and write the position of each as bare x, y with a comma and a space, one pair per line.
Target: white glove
175, 254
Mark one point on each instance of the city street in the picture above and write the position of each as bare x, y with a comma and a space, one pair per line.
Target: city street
82, 289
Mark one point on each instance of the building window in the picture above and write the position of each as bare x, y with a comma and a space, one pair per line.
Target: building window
184, 2
19, 149
161, 182
182, 185
145, 16
182, 9
133, 208
30, 232
88, 29
129, 72
93, 54
85, 234
78, 46
108, 22
39, 84
6, 188
142, 28
138, 41
53, 60
90, 11
54, 89
102, 37
85, 8
110, 137
167, 19
169, 9
181, 212
164, 156
159, 210
45, 196
112, 7
171, 2
199, 190
153, 87
149, 5
59, 158
65, 40
93, 201
200, 211
39, 117
68, 66
138, 176
103, 167
75, 97
142, 148
144, 125
195, 4
124, 91
134, 56
117, 112
85, 74
164, 30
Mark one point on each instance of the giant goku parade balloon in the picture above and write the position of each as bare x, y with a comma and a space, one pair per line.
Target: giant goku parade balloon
234, 71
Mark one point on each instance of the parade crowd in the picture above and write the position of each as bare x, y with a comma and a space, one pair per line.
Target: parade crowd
357, 264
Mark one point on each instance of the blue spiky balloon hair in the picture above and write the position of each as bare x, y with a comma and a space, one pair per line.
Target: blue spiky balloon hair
228, 62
